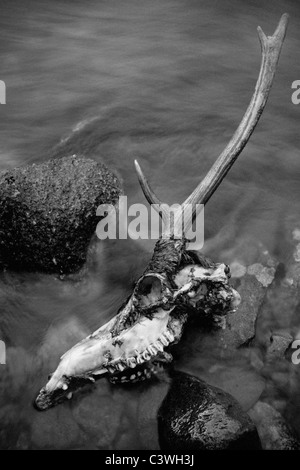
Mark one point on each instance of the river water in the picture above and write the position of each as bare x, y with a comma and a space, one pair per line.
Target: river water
167, 82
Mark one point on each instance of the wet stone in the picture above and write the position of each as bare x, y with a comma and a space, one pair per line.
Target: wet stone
241, 325
99, 417
274, 432
48, 212
55, 429
196, 416
278, 345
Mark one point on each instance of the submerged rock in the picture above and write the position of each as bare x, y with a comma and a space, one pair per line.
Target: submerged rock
11, 425
241, 325
149, 403
48, 212
98, 415
293, 262
55, 430
253, 273
278, 345
196, 416
241, 382
273, 431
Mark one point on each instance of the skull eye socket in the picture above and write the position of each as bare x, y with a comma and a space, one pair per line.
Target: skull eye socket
227, 269
149, 290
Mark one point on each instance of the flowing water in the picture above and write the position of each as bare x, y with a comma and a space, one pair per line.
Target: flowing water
167, 82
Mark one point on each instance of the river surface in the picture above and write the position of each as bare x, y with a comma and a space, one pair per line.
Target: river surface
167, 82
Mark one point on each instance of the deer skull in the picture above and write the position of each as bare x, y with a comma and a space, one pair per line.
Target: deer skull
132, 346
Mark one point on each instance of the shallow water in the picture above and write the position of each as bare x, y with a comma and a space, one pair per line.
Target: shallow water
167, 82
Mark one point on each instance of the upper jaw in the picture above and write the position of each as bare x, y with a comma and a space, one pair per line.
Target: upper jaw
49, 397
78, 366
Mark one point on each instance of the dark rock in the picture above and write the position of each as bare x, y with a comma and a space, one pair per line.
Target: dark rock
281, 307
240, 328
55, 430
278, 345
48, 212
196, 416
273, 431
253, 272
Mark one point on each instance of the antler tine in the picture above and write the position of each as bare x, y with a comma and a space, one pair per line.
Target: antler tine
271, 47
148, 191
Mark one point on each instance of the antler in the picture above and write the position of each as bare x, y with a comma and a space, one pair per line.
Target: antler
270, 48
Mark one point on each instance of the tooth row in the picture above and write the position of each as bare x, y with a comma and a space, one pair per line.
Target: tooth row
140, 375
169, 335
165, 339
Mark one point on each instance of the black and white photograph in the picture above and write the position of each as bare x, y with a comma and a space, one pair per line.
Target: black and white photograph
150, 228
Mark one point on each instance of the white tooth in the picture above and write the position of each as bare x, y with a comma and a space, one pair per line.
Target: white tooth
132, 377
131, 362
192, 294
148, 374
164, 340
69, 396
121, 367
159, 346
169, 335
99, 371
151, 350
124, 379
139, 373
111, 369
65, 387
140, 359
146, 355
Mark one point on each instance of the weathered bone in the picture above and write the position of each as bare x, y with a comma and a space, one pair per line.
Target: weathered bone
132, 344
151, 320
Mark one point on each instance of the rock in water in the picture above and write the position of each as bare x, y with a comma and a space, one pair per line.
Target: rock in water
278, 345
196, 416
274, 432
48, 212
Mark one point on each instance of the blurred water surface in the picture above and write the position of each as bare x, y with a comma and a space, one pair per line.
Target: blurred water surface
167, 82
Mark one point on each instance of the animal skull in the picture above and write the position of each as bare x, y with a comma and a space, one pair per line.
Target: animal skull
132, 346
